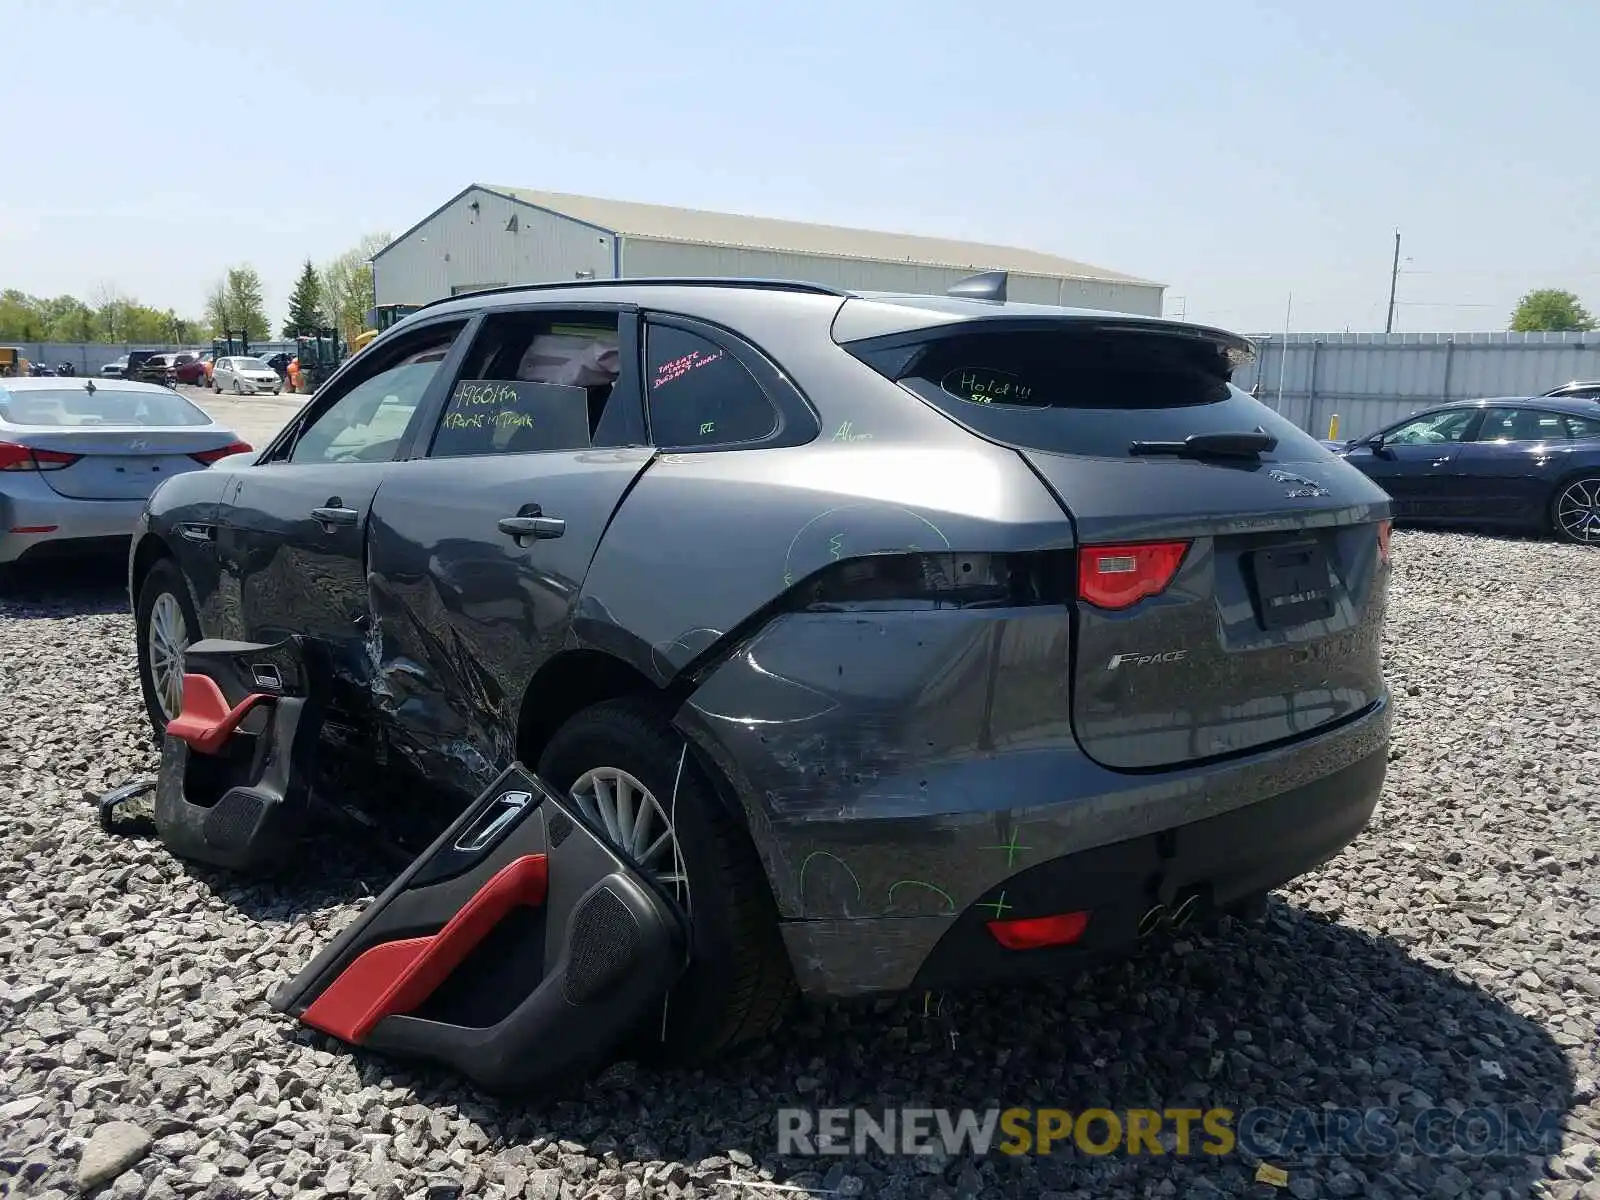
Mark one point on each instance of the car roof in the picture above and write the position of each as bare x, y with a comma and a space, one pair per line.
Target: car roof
1582, 406
643, 291
55, 383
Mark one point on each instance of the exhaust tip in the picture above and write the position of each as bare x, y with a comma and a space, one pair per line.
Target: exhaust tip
1152, 920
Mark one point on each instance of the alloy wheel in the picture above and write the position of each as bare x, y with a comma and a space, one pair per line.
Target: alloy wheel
166, 640
1578, 510
635, 823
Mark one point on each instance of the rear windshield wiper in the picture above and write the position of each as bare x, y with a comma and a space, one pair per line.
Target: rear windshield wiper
1211, 445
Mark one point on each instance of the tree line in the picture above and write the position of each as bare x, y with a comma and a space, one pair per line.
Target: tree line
338, 295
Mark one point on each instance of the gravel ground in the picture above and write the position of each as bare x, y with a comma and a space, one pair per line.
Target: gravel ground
1451, 957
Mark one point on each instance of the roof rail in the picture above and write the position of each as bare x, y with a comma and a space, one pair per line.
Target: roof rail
766, 285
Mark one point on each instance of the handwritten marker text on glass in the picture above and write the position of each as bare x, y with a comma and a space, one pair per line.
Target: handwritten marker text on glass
677, 368
484, 395
987, 387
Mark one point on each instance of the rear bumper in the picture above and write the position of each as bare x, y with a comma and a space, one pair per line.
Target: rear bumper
34, 520
1133, 889
1218, 860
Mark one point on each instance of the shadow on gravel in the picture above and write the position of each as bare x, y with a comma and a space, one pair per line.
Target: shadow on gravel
81, 587
1297, 1015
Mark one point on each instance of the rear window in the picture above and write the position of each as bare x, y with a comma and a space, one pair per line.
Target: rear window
1583, 427
71, 408
1089, 393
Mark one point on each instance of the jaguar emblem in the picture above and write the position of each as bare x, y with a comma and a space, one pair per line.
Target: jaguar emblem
1299, 486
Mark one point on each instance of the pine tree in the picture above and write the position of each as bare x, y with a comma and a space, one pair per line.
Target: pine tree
305, 305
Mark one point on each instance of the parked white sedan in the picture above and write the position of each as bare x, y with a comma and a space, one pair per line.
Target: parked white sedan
245, 376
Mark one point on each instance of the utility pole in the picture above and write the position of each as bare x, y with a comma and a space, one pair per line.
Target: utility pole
1394, 278
1283, 359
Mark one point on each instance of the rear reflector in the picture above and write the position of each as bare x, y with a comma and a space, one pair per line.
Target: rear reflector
1035, 933
210, 456
1118, 576
34, 528
24, 458
1384, 529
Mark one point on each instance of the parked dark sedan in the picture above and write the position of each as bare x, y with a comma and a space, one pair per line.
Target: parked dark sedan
909, 641
1520, 462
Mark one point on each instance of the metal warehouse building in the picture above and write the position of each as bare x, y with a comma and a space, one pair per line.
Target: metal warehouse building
490, 236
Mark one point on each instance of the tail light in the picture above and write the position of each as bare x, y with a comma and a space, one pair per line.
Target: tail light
1384, 528
24, 458
210, 456
1116, 577
1035, 933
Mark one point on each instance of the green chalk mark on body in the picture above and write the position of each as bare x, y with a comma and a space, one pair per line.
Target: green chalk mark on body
938, 891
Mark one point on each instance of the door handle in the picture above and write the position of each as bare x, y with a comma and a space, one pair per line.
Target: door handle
537, 527
331, 516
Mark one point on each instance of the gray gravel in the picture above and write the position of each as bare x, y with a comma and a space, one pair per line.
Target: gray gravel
1451, 957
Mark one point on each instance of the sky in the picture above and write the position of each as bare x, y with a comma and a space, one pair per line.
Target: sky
1255, 157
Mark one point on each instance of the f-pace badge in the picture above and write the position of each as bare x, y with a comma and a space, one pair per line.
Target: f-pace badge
1145, 660
1300, 486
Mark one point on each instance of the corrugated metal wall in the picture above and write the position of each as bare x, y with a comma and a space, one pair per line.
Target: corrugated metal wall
642, 258
461, 248
1371, 379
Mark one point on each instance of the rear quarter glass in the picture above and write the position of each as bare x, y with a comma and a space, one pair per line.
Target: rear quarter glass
1091, 393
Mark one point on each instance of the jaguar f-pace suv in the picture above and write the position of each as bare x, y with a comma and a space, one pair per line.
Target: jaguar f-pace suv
912, 641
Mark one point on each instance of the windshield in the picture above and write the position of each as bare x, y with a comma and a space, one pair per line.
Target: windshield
250, 364
70, 408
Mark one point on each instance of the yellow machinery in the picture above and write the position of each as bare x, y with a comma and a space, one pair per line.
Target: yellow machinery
12, 364
384, 317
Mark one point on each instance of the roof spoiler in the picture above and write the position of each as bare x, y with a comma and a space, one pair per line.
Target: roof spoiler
989, 285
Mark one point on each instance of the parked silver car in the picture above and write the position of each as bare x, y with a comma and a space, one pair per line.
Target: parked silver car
79, 458
245, 375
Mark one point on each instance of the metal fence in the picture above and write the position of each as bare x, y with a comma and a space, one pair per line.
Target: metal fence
88, 357
1370, 379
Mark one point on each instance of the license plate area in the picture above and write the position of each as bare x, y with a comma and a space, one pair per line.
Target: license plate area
1292, 585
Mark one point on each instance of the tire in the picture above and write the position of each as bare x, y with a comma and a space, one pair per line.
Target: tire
1584, 490
238, 388
738, 985
163, 579
277, 391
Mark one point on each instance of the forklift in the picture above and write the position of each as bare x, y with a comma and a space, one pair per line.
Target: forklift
317, 356
384, 317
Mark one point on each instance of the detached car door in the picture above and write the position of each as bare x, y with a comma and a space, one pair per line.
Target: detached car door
1415, 463
292, 536
479, 545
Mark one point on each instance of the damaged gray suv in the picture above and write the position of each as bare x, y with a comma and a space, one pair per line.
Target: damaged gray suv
911, 641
